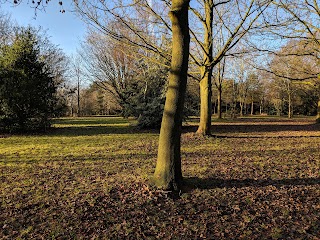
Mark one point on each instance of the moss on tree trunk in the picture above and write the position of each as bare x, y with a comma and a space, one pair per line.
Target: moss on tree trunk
168, 173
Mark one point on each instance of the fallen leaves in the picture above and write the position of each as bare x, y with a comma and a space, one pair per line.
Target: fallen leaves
245, 187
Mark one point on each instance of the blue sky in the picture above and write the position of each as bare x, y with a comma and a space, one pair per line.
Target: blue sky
64, 29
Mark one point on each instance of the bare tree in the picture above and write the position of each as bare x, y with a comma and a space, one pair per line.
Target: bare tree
78, 75
146, 24
6, 28
108, 65
307, 14
299, 35
224, 25
39, 5
219, 76
294, 65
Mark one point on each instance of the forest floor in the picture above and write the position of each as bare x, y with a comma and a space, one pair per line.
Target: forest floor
255, 178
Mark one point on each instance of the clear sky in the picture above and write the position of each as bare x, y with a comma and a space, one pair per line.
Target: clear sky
64, 29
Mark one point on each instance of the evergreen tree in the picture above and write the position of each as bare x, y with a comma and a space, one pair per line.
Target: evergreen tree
27, 88
144, 98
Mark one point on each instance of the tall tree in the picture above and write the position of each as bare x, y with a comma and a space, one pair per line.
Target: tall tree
77, 74
307, 14
294, 65
27, 86
303, 30
145, 24
168, 173
225, 24
218, 83
136, 84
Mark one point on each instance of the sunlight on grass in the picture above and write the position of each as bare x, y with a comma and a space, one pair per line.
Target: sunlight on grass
90, 175
58, 146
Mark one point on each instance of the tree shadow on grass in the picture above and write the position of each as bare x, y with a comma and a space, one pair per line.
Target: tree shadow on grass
256, 128
116, 159
93, 120
89, 126
212, 183
97, 130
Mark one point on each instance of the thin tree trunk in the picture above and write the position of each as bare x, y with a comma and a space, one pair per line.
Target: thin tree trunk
206, 73
78, 98
251, 106
245, 108
241, 109
205, 103
168, 173
289, 102
318, 112
219, 102
72, 110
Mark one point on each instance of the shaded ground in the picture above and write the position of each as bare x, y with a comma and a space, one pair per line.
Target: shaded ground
262, 127
254, 179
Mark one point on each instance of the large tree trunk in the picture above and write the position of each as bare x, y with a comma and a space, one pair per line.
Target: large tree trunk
206, 73
168, 173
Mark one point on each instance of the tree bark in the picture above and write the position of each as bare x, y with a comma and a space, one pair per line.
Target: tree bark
219, 102
205, 102
241, 108
168, 173
289, 103
318, 112
245, 108
206, 73
78, 98
251, 106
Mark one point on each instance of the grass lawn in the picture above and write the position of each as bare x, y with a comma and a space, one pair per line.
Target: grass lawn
256, 178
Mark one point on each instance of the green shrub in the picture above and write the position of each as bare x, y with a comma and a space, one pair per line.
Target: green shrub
27, 88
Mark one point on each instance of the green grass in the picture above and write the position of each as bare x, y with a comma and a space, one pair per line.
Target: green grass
255, 178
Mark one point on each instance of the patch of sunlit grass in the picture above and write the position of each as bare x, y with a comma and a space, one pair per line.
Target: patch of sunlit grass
89, 176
